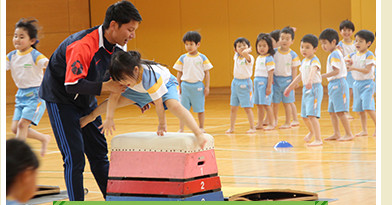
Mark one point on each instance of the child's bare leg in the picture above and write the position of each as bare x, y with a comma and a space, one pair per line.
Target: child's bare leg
201, 117
362, 116
101, 109
260, 116
181, 126
316, 130
346, 125
233, 117
185, 116
267, 117
249, 113
14, 126
24, 131
372, 115
309, 136
287, 108
275, 108
294, 113
335, 126
43, 138
271, 125
351, 101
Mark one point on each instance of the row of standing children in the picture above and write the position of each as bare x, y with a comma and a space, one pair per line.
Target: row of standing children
275, 69
282, 66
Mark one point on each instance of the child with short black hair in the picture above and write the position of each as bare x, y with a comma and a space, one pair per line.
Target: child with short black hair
264, 71
287, 62
312, 91
193, 67
241, 86
27, 64
362, 63
22, 169
338, 92
347, 46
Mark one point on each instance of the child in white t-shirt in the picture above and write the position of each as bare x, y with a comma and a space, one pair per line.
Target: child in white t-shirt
26, 65
241, 86
193, 67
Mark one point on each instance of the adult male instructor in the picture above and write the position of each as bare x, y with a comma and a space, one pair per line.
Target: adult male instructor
76, 73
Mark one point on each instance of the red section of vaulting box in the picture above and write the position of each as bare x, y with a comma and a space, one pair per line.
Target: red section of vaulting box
163, 187
173, 165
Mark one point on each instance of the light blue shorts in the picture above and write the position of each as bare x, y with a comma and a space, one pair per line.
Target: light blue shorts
192, 95
339, 97
260, 87
350, 79
363, 91
28, 105
280, 84
241, 92
311, 100
142, 99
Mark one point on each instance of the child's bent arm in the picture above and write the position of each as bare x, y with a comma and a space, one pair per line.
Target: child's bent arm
161, 116
366, 70
332, 73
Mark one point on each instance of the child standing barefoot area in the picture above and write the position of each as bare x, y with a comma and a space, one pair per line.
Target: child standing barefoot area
241, 86
312, 91
193, 67
264, 71
26, 65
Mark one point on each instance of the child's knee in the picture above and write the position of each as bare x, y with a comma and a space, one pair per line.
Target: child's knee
23, 124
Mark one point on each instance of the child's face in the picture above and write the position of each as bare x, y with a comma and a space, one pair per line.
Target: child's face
285, 40
328, 46
262, 47
28, 183
191, 47
307, 49
240, 46
22, 40
131, 81
346, 33
361, 45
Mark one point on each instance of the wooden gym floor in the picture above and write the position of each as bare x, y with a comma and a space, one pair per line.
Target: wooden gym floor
345, 171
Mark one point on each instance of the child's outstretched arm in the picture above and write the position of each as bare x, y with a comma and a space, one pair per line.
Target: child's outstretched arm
101, 109
161, 116
292, 85
108, 125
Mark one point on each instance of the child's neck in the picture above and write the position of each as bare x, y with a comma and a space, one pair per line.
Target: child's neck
284, 49
363, 51
310, 57
333, 48
347, 40
25, 50
193, 53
